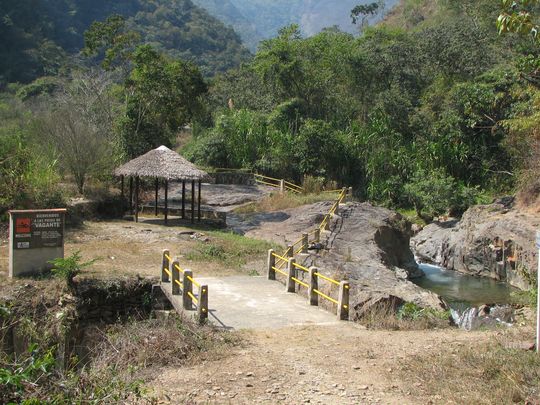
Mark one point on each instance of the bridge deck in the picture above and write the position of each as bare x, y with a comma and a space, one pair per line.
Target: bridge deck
243, 302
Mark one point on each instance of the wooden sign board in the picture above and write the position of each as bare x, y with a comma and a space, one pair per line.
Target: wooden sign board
35, 237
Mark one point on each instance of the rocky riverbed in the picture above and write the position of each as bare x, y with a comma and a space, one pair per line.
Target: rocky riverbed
495, 241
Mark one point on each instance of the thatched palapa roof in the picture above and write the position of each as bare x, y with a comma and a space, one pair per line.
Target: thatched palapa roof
162, 163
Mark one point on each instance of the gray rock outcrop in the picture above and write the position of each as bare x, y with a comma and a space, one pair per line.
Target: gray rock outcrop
495, 241
367, 245
370, 246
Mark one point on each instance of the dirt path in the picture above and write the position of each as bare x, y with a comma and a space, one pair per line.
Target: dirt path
337, 364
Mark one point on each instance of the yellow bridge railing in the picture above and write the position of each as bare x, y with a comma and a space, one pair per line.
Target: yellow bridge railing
302, 244
311, 283
182, 282
282, 184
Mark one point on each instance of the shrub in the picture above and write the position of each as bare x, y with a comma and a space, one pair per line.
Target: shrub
68, 268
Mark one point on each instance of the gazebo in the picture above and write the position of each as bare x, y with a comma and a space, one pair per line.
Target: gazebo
165, 165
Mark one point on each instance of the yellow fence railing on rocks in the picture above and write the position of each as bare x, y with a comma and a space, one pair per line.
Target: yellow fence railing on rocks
182, 282
302, 244
293, 278
282, 184
276, 265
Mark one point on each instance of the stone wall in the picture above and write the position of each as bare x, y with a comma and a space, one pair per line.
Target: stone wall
245, 179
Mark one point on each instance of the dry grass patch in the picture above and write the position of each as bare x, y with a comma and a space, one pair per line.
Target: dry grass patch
387, 316
481, 374
230, 249
277, 202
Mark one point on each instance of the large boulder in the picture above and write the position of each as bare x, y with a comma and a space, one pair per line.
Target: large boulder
495, 241
367, 245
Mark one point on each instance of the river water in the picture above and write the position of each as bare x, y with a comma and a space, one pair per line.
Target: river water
461, 290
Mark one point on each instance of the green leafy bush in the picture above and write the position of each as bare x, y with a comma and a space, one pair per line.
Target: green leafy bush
27, 370
68, 268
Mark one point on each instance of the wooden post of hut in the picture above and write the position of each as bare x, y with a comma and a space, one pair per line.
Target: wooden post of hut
130, 194
137, 199
156, 197
192, 201
166, 201
199, 203
183, 199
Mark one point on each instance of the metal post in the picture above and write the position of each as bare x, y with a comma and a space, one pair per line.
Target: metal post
271, 264
317, 236
343, 301
291, 272
282, 186
188, 287
202, 309
305, 242
175, 277
350, 193
165, 265
313, 285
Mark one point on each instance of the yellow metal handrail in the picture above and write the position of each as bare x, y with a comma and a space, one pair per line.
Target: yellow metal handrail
300, 282
325, 296
193, 298
299, 266
280, 257
266, 177
179, 283
193, 281
327, 278
293, 185
167, 271
279, 271
168, 257
264, 182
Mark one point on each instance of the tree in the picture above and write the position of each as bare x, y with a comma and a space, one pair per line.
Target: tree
362, 12
517, 16
79, 127
162, 95
113, 39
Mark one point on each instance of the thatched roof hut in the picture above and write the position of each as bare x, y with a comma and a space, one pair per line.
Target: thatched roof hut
162, 163
166, 165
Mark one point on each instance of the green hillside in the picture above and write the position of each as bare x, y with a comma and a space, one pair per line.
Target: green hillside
38, 36
256, 20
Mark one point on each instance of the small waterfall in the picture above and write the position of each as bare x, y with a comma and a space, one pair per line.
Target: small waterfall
466, 318
485, 316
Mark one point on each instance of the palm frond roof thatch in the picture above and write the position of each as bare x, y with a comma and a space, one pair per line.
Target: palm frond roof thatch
162, 163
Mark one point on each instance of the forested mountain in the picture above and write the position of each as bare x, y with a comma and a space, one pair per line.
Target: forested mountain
431, 109
256, 20
37, 35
